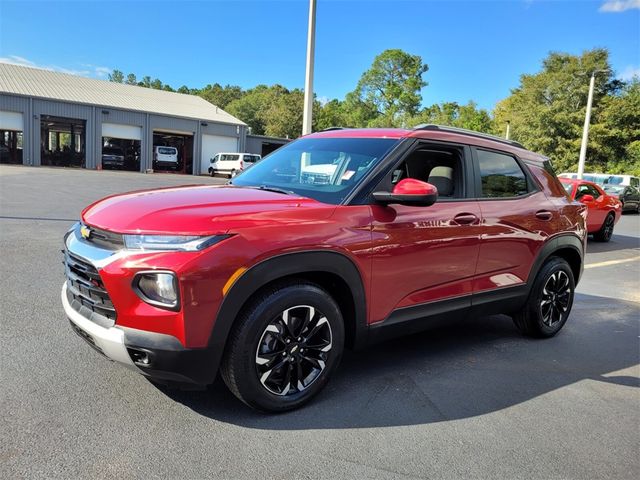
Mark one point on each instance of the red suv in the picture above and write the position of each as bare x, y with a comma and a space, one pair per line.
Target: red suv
339, 239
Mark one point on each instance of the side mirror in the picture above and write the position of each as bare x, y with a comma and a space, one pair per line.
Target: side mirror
409, 192
586, 198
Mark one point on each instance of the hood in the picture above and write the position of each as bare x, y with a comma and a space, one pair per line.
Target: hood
200, 210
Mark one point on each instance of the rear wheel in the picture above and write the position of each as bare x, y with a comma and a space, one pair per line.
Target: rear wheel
549, 302
284, 347
606, 231
232, 174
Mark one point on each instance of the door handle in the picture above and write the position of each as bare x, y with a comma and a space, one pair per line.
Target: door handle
465, 218
544, 215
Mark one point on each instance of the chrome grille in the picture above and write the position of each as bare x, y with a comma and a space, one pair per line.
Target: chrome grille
86, 292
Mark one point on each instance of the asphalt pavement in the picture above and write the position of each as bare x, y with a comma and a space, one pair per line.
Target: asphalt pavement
473, 400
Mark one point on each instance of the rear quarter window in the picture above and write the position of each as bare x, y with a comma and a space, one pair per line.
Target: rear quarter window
546, 177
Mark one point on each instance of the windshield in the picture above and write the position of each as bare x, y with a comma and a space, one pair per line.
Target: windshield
325, 169
167, 151
613, 188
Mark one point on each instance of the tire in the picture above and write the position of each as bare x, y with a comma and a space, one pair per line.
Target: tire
606, 231
232, 174
212, 173
284, 347
550, 300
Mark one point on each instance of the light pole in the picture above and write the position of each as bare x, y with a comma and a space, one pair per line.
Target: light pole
508, 129
307, 115
587, 119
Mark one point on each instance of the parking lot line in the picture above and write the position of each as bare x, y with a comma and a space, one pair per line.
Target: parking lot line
611, 262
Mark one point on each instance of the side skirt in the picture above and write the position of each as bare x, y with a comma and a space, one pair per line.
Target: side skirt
418, 318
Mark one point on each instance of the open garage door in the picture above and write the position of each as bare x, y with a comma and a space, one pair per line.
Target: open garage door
11, 127
213, 144
121, 146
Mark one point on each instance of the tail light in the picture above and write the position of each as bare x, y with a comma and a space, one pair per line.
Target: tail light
241, 164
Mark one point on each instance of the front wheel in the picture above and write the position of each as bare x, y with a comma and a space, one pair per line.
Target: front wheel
284, 347
550, 300
606, 231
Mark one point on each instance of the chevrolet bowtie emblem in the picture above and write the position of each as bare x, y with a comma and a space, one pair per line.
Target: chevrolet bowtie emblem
85, 232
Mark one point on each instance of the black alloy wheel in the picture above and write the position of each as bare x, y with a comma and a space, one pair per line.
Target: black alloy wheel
293, 350
555, 298
606, 231
284, 346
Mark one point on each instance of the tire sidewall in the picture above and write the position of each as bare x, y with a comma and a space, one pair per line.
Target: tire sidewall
552, 266
252, 329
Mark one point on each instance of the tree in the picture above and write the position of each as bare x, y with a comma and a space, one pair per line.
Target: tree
131, 79
547, 109
467, 116
219, 95
116, 76
391, 87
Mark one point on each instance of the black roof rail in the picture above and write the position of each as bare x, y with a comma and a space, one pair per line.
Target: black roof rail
464, 131
332, 128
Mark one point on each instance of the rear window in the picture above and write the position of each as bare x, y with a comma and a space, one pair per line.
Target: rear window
568, 187
501, 175
167, 150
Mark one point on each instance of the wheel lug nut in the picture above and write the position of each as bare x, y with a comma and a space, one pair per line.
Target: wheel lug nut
288, 341
284, 354
299, 338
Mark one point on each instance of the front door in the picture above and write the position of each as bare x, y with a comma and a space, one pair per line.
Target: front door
425, 254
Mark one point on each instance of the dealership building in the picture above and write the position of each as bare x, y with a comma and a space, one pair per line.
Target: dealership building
57, 119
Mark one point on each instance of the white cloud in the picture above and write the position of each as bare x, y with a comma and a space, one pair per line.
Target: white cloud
617, 6
630, 72
88, 71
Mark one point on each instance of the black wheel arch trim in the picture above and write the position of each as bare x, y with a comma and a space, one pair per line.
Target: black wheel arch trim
281, 266
555, 244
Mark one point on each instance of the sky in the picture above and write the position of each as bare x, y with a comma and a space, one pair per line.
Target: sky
475, 50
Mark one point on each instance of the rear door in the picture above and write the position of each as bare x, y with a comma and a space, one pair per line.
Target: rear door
517, 219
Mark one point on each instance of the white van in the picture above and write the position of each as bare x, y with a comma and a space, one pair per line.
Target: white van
231, 164
165, 157
624, 181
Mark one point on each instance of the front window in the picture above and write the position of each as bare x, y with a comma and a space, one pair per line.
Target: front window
325, 169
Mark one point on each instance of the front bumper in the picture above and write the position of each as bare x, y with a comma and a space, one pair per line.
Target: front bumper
109, 341
160, 357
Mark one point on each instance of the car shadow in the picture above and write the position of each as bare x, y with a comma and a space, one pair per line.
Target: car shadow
460, 371
617, 242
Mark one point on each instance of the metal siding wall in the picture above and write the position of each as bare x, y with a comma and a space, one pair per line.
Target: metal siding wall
13, 103
66, 110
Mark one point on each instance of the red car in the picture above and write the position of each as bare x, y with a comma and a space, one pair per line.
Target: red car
339, 239
603, 210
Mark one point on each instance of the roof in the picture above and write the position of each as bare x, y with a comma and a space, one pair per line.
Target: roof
35, 82
433, 132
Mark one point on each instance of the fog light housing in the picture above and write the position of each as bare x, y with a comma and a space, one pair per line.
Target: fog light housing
158, 288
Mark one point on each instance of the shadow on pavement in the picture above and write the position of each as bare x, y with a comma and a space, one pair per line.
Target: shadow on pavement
617, 242
461, 371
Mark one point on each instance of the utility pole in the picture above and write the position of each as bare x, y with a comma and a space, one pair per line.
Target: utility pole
508, 129
307, 115
585, 130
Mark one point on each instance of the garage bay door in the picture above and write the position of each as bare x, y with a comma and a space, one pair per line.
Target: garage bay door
11, 121
213, 144
128, 132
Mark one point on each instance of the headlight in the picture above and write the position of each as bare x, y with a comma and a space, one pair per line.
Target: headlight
183, 243
158, 288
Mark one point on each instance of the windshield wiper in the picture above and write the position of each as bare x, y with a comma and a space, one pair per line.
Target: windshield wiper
275, 189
